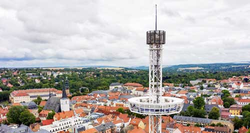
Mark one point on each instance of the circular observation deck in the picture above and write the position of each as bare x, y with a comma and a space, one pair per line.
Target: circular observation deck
145, 106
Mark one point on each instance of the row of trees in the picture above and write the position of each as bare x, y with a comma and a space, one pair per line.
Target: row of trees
96, 79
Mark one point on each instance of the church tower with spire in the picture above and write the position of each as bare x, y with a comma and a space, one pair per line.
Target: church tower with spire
67, 86
64, 101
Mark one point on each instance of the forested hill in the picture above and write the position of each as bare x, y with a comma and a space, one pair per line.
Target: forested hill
217, 67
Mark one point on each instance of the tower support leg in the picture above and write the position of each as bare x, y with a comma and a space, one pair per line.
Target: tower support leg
155, 123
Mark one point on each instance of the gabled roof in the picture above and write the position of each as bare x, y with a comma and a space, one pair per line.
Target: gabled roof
53, 103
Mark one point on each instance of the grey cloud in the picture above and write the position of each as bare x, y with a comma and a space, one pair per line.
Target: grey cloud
96, 32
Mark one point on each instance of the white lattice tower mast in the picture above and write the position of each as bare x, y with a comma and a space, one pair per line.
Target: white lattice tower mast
155, 39
155, 105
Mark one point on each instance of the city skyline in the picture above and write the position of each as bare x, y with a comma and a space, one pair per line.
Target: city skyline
112, 33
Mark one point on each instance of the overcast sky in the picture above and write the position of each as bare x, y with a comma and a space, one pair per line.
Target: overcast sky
112, 32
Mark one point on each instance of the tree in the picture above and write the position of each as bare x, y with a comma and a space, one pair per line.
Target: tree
197, 125
225, 93
199, 103
14, 114
201, 88
40, 108
228, 100
199, 113
246, 108
38, 100
190, 110
238, 123
237, 96
219, 125
27, 118
51, 115
121, 110
213, 125
226, 104
214, 113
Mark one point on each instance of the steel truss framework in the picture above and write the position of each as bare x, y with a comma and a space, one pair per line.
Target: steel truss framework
155, 84
155, 105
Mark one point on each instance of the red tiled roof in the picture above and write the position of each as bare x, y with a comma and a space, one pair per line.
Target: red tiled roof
225, 114
44, 112
189, 129
47, 122
3, 111
79, 111
133, 84
135, 121
26, 92
21, 94
63, 115
217, 100
113, 97
238, 83
168, 84
136, 130
81, 98
91, 130
244, 100
42, 103
16, 104
243, 130
183, 92
124, 117
140, 89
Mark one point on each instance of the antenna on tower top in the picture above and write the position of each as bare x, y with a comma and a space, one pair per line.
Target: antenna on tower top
155, 16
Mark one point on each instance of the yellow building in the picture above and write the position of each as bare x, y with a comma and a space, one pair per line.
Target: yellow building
235, 109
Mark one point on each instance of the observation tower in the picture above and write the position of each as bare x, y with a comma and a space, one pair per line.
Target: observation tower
155, 105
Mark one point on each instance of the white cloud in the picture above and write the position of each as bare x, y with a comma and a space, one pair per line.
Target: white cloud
99, 32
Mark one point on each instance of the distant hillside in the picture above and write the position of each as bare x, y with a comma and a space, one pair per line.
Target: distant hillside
209, 67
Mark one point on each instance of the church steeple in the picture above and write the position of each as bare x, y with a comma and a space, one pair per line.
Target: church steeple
65, 86
64, 95
64, 101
